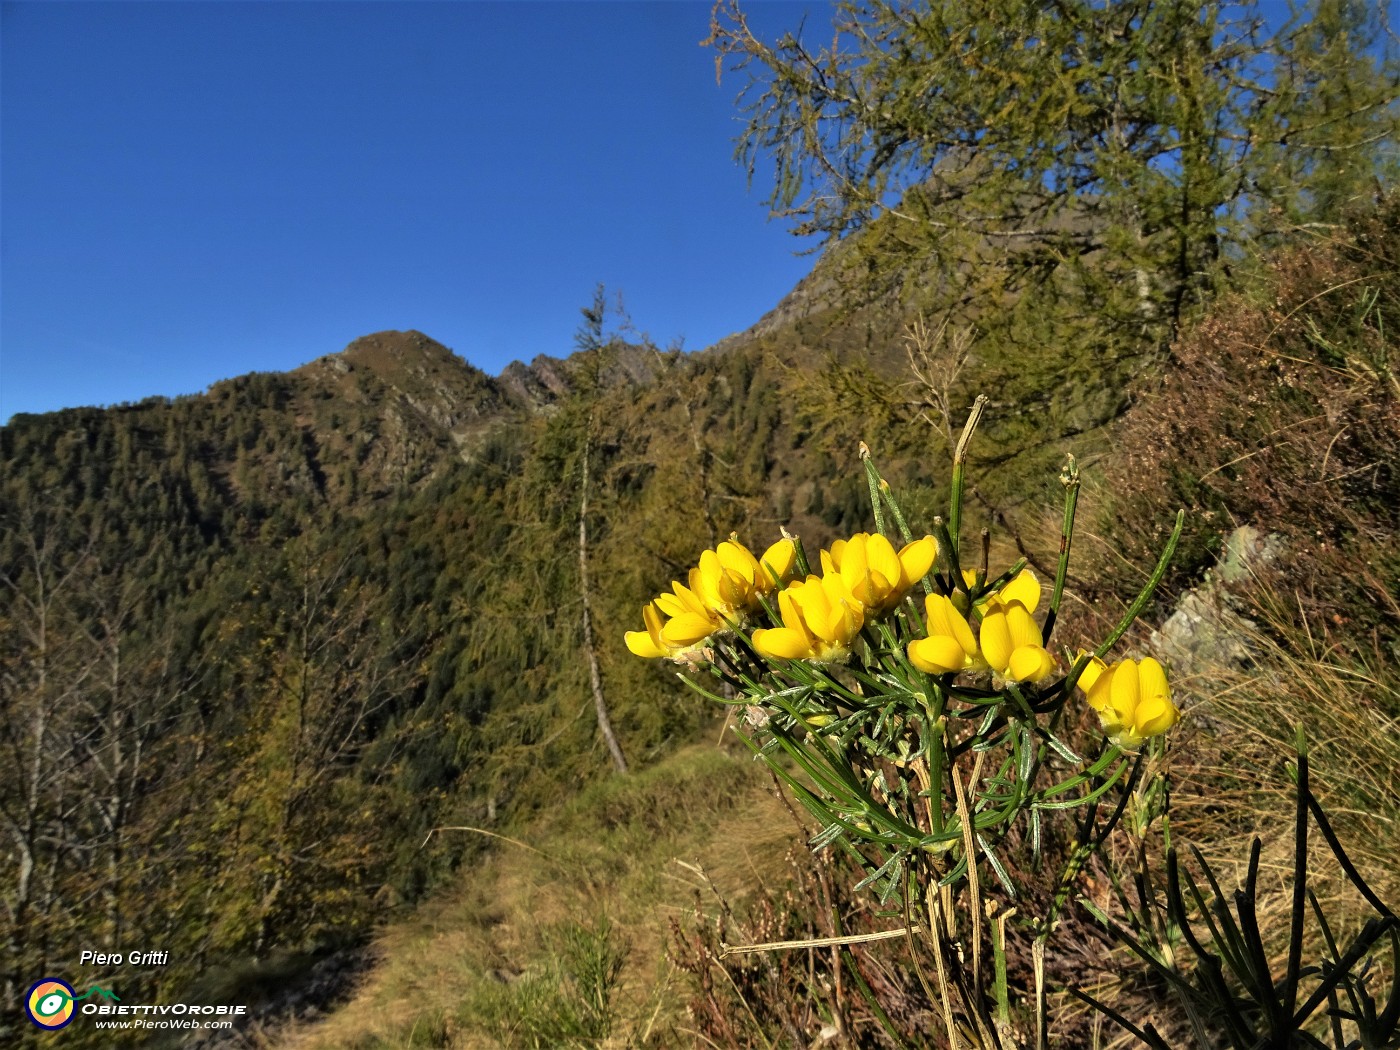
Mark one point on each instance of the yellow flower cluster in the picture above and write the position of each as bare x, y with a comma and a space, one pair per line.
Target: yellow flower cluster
862, 579
721, 592
1008, 641
1132, 698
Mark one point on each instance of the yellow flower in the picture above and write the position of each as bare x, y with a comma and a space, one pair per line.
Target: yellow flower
1011, 642
731, 579
690, 620
873, 573
950, 646
1091, 672
685, 632
1023, 588
1132, 698
820, 621
722, 591
779, 562
677, 624
648, 643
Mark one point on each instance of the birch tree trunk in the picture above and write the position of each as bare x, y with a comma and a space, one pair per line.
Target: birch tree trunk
595, 675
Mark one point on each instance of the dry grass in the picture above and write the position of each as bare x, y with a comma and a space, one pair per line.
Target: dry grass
622, 852
1235, 784
1281, 410
1229, 764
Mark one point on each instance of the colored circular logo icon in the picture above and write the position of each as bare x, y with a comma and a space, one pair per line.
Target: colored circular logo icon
49, 1003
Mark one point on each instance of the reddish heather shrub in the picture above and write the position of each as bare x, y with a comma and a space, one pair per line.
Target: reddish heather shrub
1281, 409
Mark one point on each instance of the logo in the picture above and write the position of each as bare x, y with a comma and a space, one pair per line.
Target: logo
49, 1003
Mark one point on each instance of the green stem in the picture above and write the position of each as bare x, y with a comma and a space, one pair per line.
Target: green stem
945, 544
904, 530
803, 568
1070, 480
936, 764
1089, 843
959, 462
1136, 608
873, 477
853, 968
1002, 995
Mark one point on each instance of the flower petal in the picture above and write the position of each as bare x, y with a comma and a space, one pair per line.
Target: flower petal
1091, 673
1030, 663
1152, 679
782, 643
995, 638
939, 654
671, 605
944, 619
1023, 588
1100, 694
1024, 630
687, 629
779, 561
1124, 691
1154, 716
642, 644
881, 559
915, 559
734, 556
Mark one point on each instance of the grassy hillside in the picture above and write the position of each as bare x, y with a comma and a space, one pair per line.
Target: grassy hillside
504, 957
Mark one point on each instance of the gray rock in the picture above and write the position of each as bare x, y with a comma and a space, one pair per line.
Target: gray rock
1247, 551
1208, 629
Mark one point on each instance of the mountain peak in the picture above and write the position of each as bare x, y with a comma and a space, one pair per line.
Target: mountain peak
409, 362
391, 351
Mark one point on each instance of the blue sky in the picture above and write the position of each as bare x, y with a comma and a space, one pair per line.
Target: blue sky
194, 190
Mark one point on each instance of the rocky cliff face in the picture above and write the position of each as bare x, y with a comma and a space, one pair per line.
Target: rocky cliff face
546, 380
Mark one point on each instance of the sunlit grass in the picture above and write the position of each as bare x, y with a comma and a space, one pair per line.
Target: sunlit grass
497, 961
1231, 764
